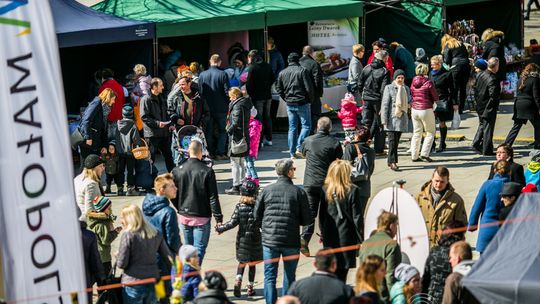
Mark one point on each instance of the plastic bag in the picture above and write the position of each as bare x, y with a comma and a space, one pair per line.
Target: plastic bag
456, 121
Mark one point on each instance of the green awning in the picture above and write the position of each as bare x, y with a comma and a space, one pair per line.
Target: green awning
191, 17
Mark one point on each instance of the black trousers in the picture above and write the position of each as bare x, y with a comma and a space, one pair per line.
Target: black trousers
518, 123
126, 162
163, 144
314, 195
393, 142
483, 140
341, 274
263, 115
372, 119
529, 6
460, 77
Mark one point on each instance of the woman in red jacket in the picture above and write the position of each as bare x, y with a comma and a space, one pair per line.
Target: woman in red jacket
424, 95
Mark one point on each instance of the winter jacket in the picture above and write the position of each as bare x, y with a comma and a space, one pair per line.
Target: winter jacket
214, 87
118, 89
505, 212
177, 107
396, 293
137, 256
237, 125
532, 174
86, 189
516, 172
145, 173
316, 72
487, 90
442, 79
389, 64
255, 129
457, 56
248, 237
527, 102
436, 270
92, 263
387, 248
348, 114
280, 210
350, 154
388, 114
212, 296
153, 111
191, 279
404, 60
343, 229
355, 69
127, 137
103, 226
321, 287
493, 47
111, 163
373, 80
259, 80
320, 149
92, 125
423, 93
294, 85
276, 61
162, 216
197, 190
454, 292
450, 208
486, 209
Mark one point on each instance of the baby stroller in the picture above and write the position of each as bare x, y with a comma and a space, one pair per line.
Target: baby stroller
184, 136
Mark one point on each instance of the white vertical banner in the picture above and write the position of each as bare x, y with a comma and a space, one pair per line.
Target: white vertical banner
41, 241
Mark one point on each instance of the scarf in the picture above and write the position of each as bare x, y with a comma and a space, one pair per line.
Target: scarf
533, 166
401, 104
436, 196
189, 110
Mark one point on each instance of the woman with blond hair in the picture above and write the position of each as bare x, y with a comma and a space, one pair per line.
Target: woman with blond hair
87, 184
424, 95
341, 218
456, 58
369, 277
93, 126
139, 244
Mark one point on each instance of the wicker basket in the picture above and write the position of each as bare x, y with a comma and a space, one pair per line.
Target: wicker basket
142, 152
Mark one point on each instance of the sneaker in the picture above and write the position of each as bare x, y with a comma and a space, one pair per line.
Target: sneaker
250, 291
120, 192
304, 249
237, 287
132, 191
267, 142
298, 155
234, 190
426, 159
108, 189
222, 157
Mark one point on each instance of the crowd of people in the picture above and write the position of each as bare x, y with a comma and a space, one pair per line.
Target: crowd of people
278, 222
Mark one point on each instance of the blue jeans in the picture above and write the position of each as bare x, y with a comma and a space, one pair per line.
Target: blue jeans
197, 236
271, 270
250, 166
219, 119
295, 113
139, 294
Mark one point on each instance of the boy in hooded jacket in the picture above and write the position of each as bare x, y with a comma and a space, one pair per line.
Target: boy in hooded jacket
127, 138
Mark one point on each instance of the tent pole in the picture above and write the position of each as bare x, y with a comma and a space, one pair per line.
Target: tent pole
364, 27
444, 19
265, 38
155, 53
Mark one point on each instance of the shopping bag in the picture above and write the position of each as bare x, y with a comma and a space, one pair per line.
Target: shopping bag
456, 121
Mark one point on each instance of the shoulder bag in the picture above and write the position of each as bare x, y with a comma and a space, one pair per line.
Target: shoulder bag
241, 146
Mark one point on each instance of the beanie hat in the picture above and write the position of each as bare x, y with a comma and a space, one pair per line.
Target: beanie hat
112, 143
420, 52
186, 252
127, 112
248, 188
215, 280
398, 72
293, 57
101, 203
92, 161
529, 188
481, 64
405, 272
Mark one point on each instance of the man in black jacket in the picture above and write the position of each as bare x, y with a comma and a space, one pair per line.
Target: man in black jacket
320, 151
322, 286
308, 63
371, 84
259, 88
280, 210
487, 90
295, 87
214, 87
156, 123
197, 199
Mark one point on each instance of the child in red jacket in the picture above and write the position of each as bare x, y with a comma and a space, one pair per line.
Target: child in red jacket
348, 112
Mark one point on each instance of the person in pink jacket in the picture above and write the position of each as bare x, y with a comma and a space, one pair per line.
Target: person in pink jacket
424, 95
348, 112
255, 128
